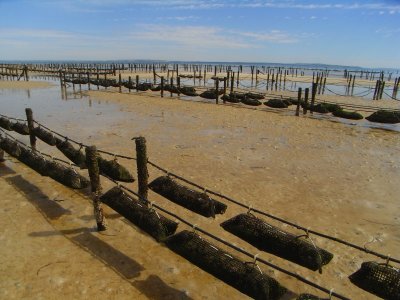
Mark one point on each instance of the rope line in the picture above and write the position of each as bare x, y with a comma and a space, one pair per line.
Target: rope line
241, 250
363, 249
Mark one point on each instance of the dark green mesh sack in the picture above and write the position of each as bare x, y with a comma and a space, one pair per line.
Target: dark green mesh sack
320, 108
276, 103
352, 115
332, 107
34, 160
5, 123
309, 297
255, 96
210, 94
197, 202
75, 155
188, 91
238, 96
129, 85
385, 116
21, 128
144, 86
379, 279
9, 146
245, 277
156, 88
230, 98
66, 175
280, 243
156, 225
45, 136
114, 170
250, 101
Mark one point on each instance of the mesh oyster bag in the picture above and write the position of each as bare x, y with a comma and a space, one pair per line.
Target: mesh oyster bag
75, 155
10, 147
379, 279
45, 136
66, 175
273, 240
33, 160
5, 123
114, 170
384, 116
245, 277
19, 127
147, 219
197, 202
309, 297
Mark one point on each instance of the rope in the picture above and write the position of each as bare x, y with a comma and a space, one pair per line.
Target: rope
83, 145
42, 153
274, 217
241, 250
11, 118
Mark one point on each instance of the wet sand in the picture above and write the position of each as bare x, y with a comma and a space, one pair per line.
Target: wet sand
335, 178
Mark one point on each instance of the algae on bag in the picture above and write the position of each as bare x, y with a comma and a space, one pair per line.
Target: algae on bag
245, 277
278, 242
195, 201
156, 225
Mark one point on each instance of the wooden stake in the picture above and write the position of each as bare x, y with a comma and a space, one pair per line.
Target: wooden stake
29, 118
306, 92
298, 102
141, 162
93, 168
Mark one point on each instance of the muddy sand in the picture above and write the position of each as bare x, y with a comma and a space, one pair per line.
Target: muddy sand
334, 178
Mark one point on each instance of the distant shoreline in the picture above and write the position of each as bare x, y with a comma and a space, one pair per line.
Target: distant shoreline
233, 63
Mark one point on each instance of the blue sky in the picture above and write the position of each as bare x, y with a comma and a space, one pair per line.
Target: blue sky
360, 33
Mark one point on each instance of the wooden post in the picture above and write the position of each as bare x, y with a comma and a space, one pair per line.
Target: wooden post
88, 79
178, 83
225, 80
381, 91
216, 90
137, 83
119, 82
298, 102
162, 86
171, 85
29, 118
376, 90
141, 162
306, 92
93, 168
232, 82
313, 93
98, 78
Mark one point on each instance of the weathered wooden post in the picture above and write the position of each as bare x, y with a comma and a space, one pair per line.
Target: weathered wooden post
88, 79
162, 86
305, 107
29, 118
141, 163
93, 168
225, 80
178, 83
313, 93
377, 84
137, 83
232, 82
298, 102
120, 82
382, 88
171, 85
216, 90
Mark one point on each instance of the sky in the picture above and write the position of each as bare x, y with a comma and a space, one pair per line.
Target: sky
354, 33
